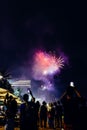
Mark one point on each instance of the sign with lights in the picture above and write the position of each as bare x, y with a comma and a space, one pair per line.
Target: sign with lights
22, 83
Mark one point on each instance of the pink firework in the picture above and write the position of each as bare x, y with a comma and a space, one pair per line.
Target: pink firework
46, 64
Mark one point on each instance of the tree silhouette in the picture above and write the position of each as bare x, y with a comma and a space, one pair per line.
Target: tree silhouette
4, 83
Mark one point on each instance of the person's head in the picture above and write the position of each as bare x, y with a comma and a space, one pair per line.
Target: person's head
44, 103
10, 97
7, 96
58, 102
25, 97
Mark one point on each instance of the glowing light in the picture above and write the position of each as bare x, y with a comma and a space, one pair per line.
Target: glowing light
1, 76
22, 83
43, 87
72, 84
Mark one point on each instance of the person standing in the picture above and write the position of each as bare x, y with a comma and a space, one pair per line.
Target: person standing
43, 115
11, 110
24, 114
28, 114
70, 101
59, 114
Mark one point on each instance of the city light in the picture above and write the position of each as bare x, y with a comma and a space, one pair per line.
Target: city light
1, 77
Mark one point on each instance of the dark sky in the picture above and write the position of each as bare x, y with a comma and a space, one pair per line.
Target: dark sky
26, 26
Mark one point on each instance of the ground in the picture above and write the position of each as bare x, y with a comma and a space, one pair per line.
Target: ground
2, 128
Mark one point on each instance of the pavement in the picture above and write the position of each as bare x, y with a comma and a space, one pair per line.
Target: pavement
2, 128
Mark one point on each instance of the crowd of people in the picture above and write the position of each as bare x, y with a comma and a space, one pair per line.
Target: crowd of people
71, 105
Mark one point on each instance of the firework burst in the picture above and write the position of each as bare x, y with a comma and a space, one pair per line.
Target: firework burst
47, 64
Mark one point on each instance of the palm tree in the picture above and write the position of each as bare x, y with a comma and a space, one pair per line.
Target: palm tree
4, 83
5, 74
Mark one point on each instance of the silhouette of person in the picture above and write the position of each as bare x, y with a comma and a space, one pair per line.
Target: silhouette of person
83, 114
51, 115
43, 115
11, 110
70, 101
27, 114
24, 123
59, 114
37, 112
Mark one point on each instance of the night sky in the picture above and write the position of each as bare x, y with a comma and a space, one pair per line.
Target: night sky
26, 27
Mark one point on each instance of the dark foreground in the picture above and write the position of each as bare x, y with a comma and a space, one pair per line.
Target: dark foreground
2, 128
